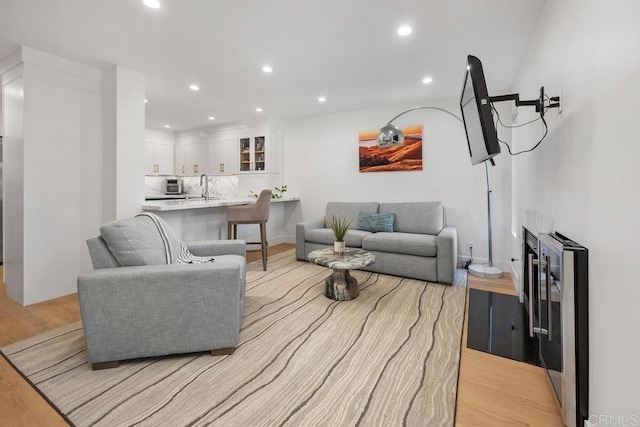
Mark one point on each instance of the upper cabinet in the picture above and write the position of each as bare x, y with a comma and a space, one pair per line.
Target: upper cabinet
192, 158
229, 149
180, 166
224, 158
259, 152
158, 149
158, 158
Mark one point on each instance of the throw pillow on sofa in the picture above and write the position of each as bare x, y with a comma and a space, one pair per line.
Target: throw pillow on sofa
376, 222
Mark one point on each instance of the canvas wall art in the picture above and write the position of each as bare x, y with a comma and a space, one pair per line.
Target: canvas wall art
405, 157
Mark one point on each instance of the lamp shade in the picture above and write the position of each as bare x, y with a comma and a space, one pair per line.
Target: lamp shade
390, 136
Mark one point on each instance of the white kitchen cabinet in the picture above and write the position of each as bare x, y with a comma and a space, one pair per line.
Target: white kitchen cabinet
149, 159
180, 166
259, 151
253, 154
192, 158
224, 156
229, 150
158, 158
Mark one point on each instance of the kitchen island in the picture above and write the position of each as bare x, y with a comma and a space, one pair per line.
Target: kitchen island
199, 219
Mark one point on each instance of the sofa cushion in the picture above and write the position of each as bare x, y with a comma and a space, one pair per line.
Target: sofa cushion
325, 236
134, 241
350, 210
375, 222
401, 243
416, 217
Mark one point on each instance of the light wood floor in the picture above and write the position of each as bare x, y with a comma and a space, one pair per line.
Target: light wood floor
496, 391
492, 391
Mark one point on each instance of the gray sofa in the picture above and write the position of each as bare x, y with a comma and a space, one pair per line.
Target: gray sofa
420, 246
135, 305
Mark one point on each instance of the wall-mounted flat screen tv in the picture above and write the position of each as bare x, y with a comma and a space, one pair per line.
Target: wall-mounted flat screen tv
476, 114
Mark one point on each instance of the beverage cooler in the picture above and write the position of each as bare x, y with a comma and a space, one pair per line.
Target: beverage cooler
556, 299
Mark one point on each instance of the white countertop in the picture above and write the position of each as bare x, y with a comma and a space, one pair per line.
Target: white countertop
164, 197
199, 203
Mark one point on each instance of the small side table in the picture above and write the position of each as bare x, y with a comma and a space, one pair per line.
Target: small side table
340, 285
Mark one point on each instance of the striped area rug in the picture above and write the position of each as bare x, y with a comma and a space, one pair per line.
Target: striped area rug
388, 358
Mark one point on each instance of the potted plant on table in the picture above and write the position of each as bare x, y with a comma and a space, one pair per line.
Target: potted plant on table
339, 225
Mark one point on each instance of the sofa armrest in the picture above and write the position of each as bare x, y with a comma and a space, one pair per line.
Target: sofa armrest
218, 247
301, 228
447, 254
144, 311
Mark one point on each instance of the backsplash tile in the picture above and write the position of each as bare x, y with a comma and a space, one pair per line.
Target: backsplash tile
219, 185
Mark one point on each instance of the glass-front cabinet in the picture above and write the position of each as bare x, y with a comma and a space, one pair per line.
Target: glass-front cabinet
253, 154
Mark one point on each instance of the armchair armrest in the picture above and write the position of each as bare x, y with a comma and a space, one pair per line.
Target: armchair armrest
301, 228
218, 247
145, 311
447, 255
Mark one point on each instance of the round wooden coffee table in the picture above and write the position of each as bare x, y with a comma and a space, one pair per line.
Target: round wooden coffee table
340, 285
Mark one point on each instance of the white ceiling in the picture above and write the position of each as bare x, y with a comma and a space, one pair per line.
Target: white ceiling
346, 50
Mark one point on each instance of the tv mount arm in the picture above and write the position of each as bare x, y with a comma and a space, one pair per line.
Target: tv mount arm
554, 102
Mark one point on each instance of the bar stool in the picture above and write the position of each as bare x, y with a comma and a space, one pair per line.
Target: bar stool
257, 213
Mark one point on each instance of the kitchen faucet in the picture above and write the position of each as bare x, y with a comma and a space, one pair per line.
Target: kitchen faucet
205, 192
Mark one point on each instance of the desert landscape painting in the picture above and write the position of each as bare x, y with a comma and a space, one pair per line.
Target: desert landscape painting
405, 157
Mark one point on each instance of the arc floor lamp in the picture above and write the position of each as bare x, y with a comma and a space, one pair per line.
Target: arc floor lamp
391, 135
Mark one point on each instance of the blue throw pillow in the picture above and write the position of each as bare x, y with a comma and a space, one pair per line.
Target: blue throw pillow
376, 222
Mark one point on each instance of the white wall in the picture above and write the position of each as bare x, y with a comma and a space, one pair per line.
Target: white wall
124, 134
13, 182
53, 118
585, 175
321, 165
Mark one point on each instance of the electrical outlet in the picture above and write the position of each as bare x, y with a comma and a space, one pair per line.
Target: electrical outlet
470, 244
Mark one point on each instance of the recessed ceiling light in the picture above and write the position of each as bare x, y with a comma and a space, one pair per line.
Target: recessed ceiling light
405, 30
259, 109
267, 68
194, 88
146, 100
153, 4
427, 80
322, 99
212, 118
167, 126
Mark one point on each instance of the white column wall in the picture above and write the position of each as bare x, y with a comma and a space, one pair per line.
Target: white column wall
54, 177
585, 175
13, 182
321, 164
124, 135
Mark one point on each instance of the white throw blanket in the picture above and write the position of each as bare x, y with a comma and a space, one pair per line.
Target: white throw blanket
175, 249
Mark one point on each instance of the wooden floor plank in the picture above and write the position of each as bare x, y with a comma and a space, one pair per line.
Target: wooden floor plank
496, 391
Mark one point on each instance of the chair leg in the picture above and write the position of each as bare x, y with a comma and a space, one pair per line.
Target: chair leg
263, 244
235, 231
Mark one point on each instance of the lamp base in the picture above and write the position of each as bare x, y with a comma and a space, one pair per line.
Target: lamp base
485, 271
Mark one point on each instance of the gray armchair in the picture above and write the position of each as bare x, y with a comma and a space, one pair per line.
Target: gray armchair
135, 305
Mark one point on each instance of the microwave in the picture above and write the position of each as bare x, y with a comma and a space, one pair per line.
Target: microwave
174, 186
